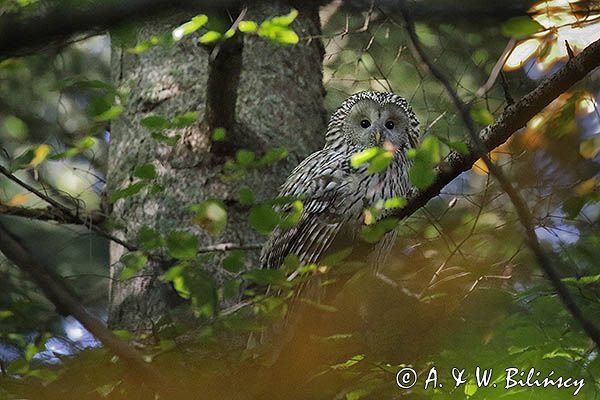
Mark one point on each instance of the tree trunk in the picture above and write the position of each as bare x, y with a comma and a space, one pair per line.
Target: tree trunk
266, 95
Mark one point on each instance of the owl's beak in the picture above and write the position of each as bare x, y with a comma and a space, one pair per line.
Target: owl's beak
377, 137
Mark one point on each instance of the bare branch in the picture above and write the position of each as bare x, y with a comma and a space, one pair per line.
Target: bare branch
47, 214
66, 214
61, 25
67, 303
480, 147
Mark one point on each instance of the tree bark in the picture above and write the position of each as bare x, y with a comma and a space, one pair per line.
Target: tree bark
265, 95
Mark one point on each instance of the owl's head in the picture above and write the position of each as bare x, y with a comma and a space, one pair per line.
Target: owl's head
368, 119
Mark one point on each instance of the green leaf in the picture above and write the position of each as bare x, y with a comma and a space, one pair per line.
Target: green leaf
425, 158
231, 289
185, 119
263, 218
194, 284
266, 277
146, 171
460, 147
15, 127
482, 116
584, 280
219, 134
292, 216
246, 196
129, 191
380, 162
470, 389
374, 232
6, 314
245, 157
520, 27
155, 122
364, 156
285, 20
349, 363
168, 140
189, 27
133, 262
248, 26
272, 156
182, 245
210, 215
148, 238
209, 37
337, 257
395, 202
114, 111
421, 175
234, 262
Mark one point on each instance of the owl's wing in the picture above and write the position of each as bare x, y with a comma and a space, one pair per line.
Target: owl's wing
322, 183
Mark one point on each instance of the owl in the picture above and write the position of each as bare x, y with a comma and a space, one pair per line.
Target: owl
334, 192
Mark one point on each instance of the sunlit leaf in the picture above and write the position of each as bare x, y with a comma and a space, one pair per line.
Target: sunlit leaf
520, 27
189, 27
248, 26
210, 215
209, 37
395, 202
364, 156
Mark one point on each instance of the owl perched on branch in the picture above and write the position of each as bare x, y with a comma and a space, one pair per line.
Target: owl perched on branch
334, 192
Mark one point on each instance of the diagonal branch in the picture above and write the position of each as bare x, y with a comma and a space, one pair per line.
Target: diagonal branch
480, 147
66, 302
511, 120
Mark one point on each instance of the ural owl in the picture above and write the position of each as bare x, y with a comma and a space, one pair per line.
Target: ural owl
334, 193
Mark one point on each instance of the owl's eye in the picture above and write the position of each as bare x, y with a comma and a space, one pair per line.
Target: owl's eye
365, 123
389, 124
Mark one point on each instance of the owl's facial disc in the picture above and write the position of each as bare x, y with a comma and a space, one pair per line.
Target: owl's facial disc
370, 124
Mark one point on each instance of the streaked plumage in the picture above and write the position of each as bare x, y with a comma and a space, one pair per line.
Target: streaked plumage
334, 193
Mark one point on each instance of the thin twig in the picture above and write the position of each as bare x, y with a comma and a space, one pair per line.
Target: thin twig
525, 217
67, 215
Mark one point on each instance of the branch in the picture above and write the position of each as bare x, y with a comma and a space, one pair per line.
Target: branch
65, 213
512, 119
66, 302
480, 147
61, 25
47, 214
